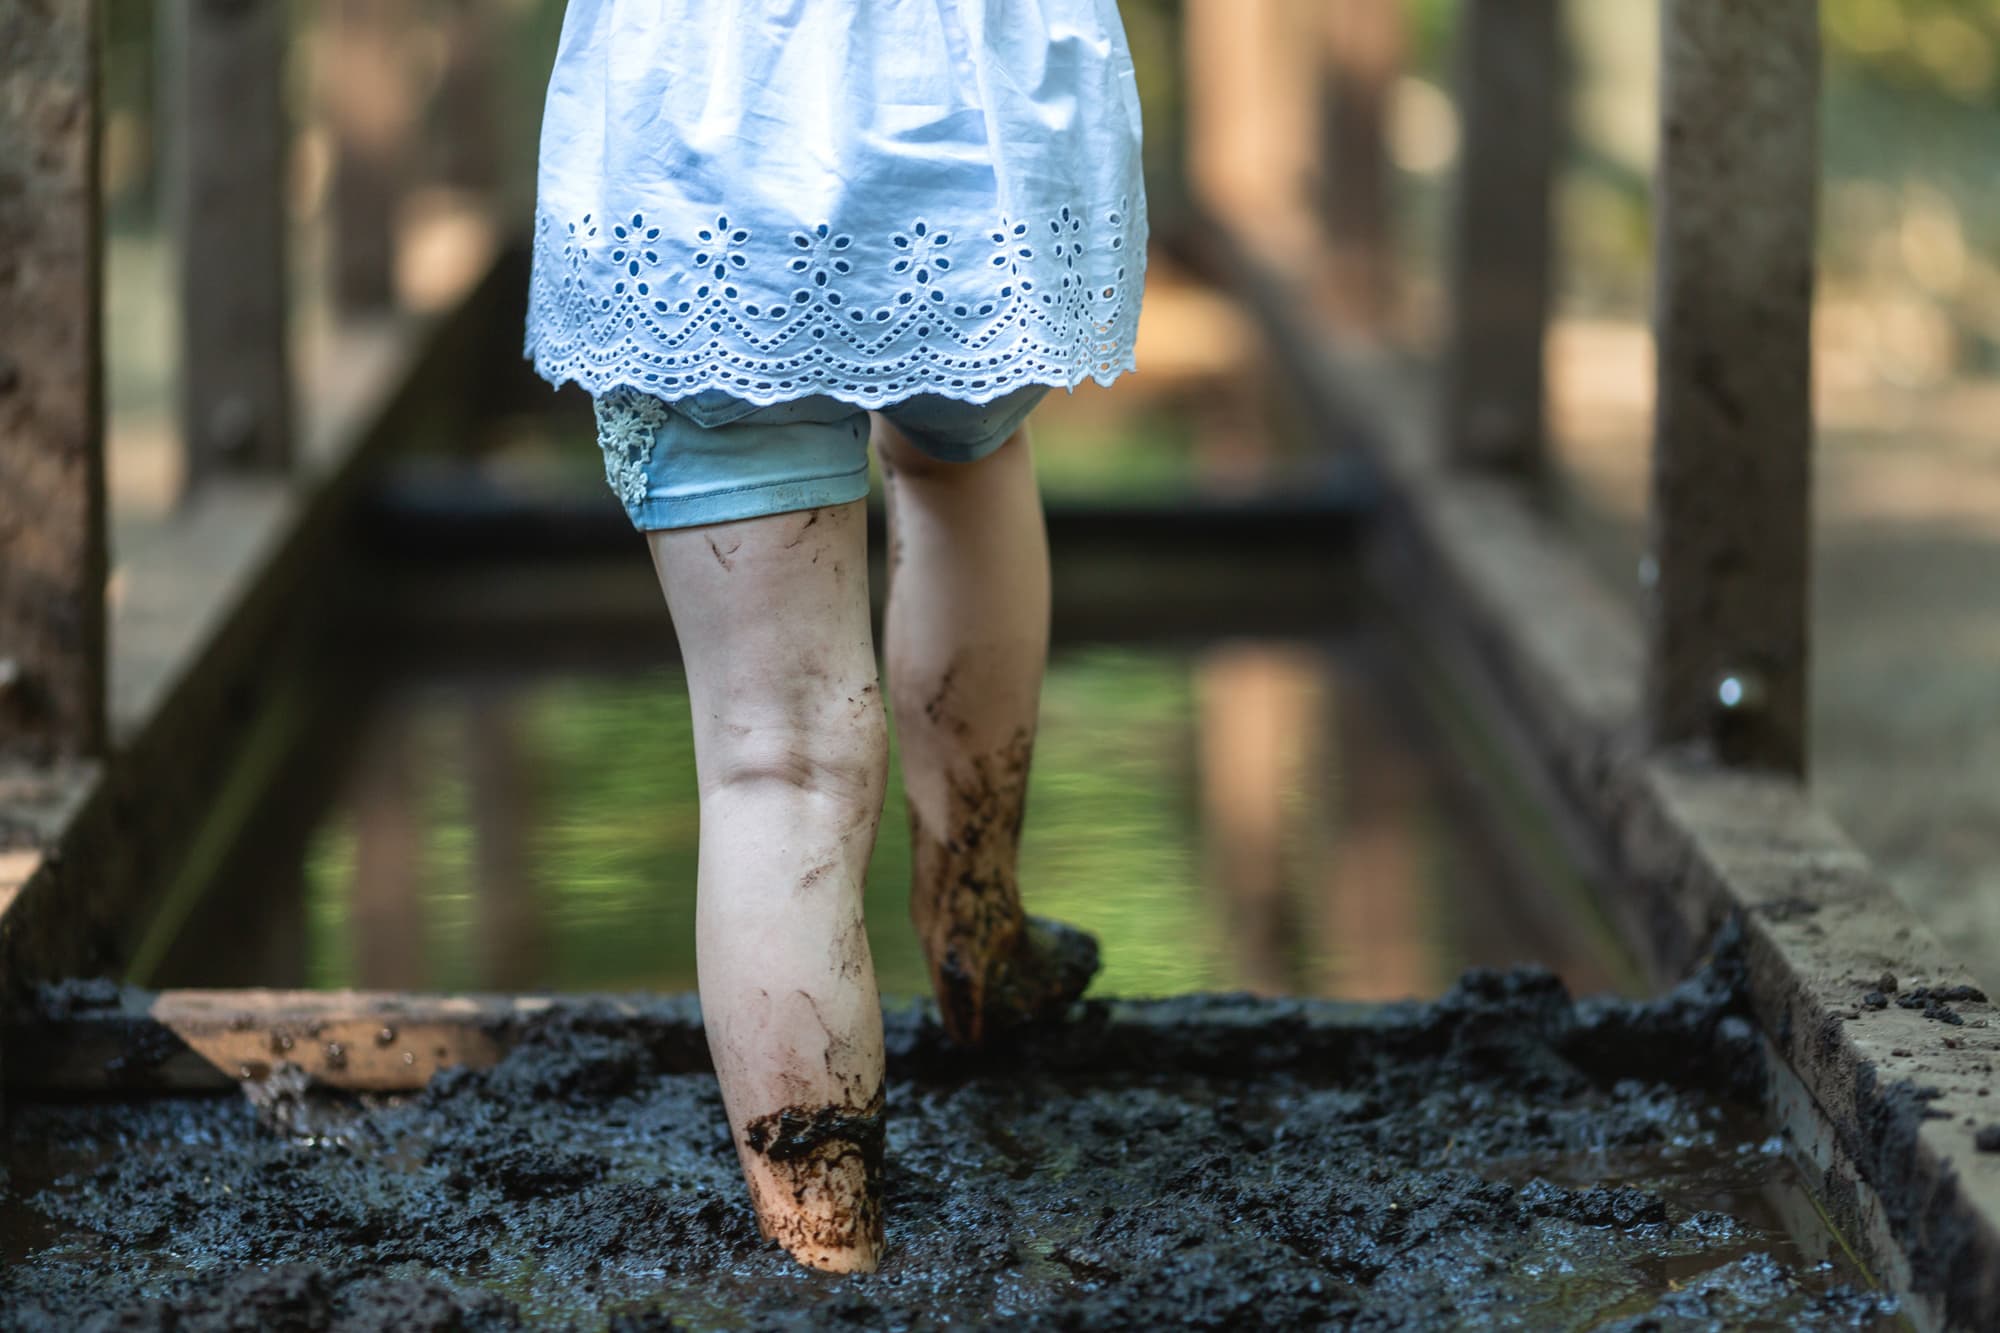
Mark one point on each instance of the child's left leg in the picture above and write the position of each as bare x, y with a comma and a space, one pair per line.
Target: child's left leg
791, 750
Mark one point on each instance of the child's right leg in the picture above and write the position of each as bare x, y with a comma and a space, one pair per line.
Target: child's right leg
967, 639
791, 752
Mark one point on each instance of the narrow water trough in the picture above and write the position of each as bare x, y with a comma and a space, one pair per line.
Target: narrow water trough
363, 1159
1499, 1156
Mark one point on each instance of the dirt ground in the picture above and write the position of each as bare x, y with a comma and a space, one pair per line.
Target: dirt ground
1502, 1157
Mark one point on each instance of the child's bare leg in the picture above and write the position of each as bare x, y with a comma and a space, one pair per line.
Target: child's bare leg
791, 752
967, 634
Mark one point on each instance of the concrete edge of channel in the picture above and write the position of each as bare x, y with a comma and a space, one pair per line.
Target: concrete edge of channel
1884, 1092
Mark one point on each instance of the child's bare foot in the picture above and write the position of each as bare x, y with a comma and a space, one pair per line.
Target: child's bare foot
816, 1181
1036, 979
992, 966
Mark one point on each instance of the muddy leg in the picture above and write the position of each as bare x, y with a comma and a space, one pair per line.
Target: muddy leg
967, 635
791, 751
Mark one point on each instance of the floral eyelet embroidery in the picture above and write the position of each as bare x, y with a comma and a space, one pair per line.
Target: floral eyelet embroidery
576, 249
923, 252
716, 248
812, 310
635, 245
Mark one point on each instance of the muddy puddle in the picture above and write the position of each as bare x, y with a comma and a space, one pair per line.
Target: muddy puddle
1500, 1158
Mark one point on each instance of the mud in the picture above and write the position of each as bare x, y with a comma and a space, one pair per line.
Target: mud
828, 1160
1503, 1157
992, 968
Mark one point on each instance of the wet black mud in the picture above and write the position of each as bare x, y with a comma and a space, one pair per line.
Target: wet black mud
1504, 1157
1050, 969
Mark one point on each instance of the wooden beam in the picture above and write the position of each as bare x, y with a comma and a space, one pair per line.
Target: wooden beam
224, 108
93, 1037
1510, 103
52, 538
1732, 436
90, 1036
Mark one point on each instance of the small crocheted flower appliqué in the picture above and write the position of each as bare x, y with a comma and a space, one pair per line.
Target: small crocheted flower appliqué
627, 424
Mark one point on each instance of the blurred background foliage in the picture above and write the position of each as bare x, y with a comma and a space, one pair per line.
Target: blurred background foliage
1912, 194
1909, 299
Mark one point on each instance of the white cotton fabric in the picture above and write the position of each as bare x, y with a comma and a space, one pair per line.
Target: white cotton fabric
868, 199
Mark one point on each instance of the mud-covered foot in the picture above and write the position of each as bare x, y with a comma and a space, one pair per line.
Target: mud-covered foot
815, 1175
1047, 971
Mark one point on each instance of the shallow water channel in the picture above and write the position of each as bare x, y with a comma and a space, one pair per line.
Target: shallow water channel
1285, 805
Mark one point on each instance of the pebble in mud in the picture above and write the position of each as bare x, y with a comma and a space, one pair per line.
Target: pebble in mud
1504, 1154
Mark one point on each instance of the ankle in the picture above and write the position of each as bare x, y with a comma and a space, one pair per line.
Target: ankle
815, 1180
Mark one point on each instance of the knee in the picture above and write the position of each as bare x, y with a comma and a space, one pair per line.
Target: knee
838, 751
901, 457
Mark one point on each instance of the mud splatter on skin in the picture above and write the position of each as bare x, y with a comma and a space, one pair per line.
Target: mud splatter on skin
851, 950
989, 970
722, 556
934, 706
804, 528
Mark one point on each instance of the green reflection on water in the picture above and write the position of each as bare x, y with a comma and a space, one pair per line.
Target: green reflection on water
1243, 814
611, 821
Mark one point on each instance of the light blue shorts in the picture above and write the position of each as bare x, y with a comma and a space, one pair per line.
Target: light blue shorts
714, 458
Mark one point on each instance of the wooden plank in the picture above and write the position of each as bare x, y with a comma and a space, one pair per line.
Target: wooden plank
225, 111
52, 539
95, 1037
1510, 104
1365, 48
1732, 435
371, 105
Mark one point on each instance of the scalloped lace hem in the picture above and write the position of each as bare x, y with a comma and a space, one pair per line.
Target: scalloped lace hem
773, 311
598, 382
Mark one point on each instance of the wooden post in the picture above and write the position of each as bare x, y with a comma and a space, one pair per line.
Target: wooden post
1364, 56
370, 103
52, 542
1510, 112
1251, 74
1732, 434
225, 107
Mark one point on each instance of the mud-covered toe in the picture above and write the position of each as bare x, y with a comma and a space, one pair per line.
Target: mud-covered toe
1055, 963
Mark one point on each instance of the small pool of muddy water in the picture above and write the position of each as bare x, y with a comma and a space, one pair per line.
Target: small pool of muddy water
1500, 1158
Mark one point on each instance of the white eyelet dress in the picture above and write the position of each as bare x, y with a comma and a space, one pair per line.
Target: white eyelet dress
866, 199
